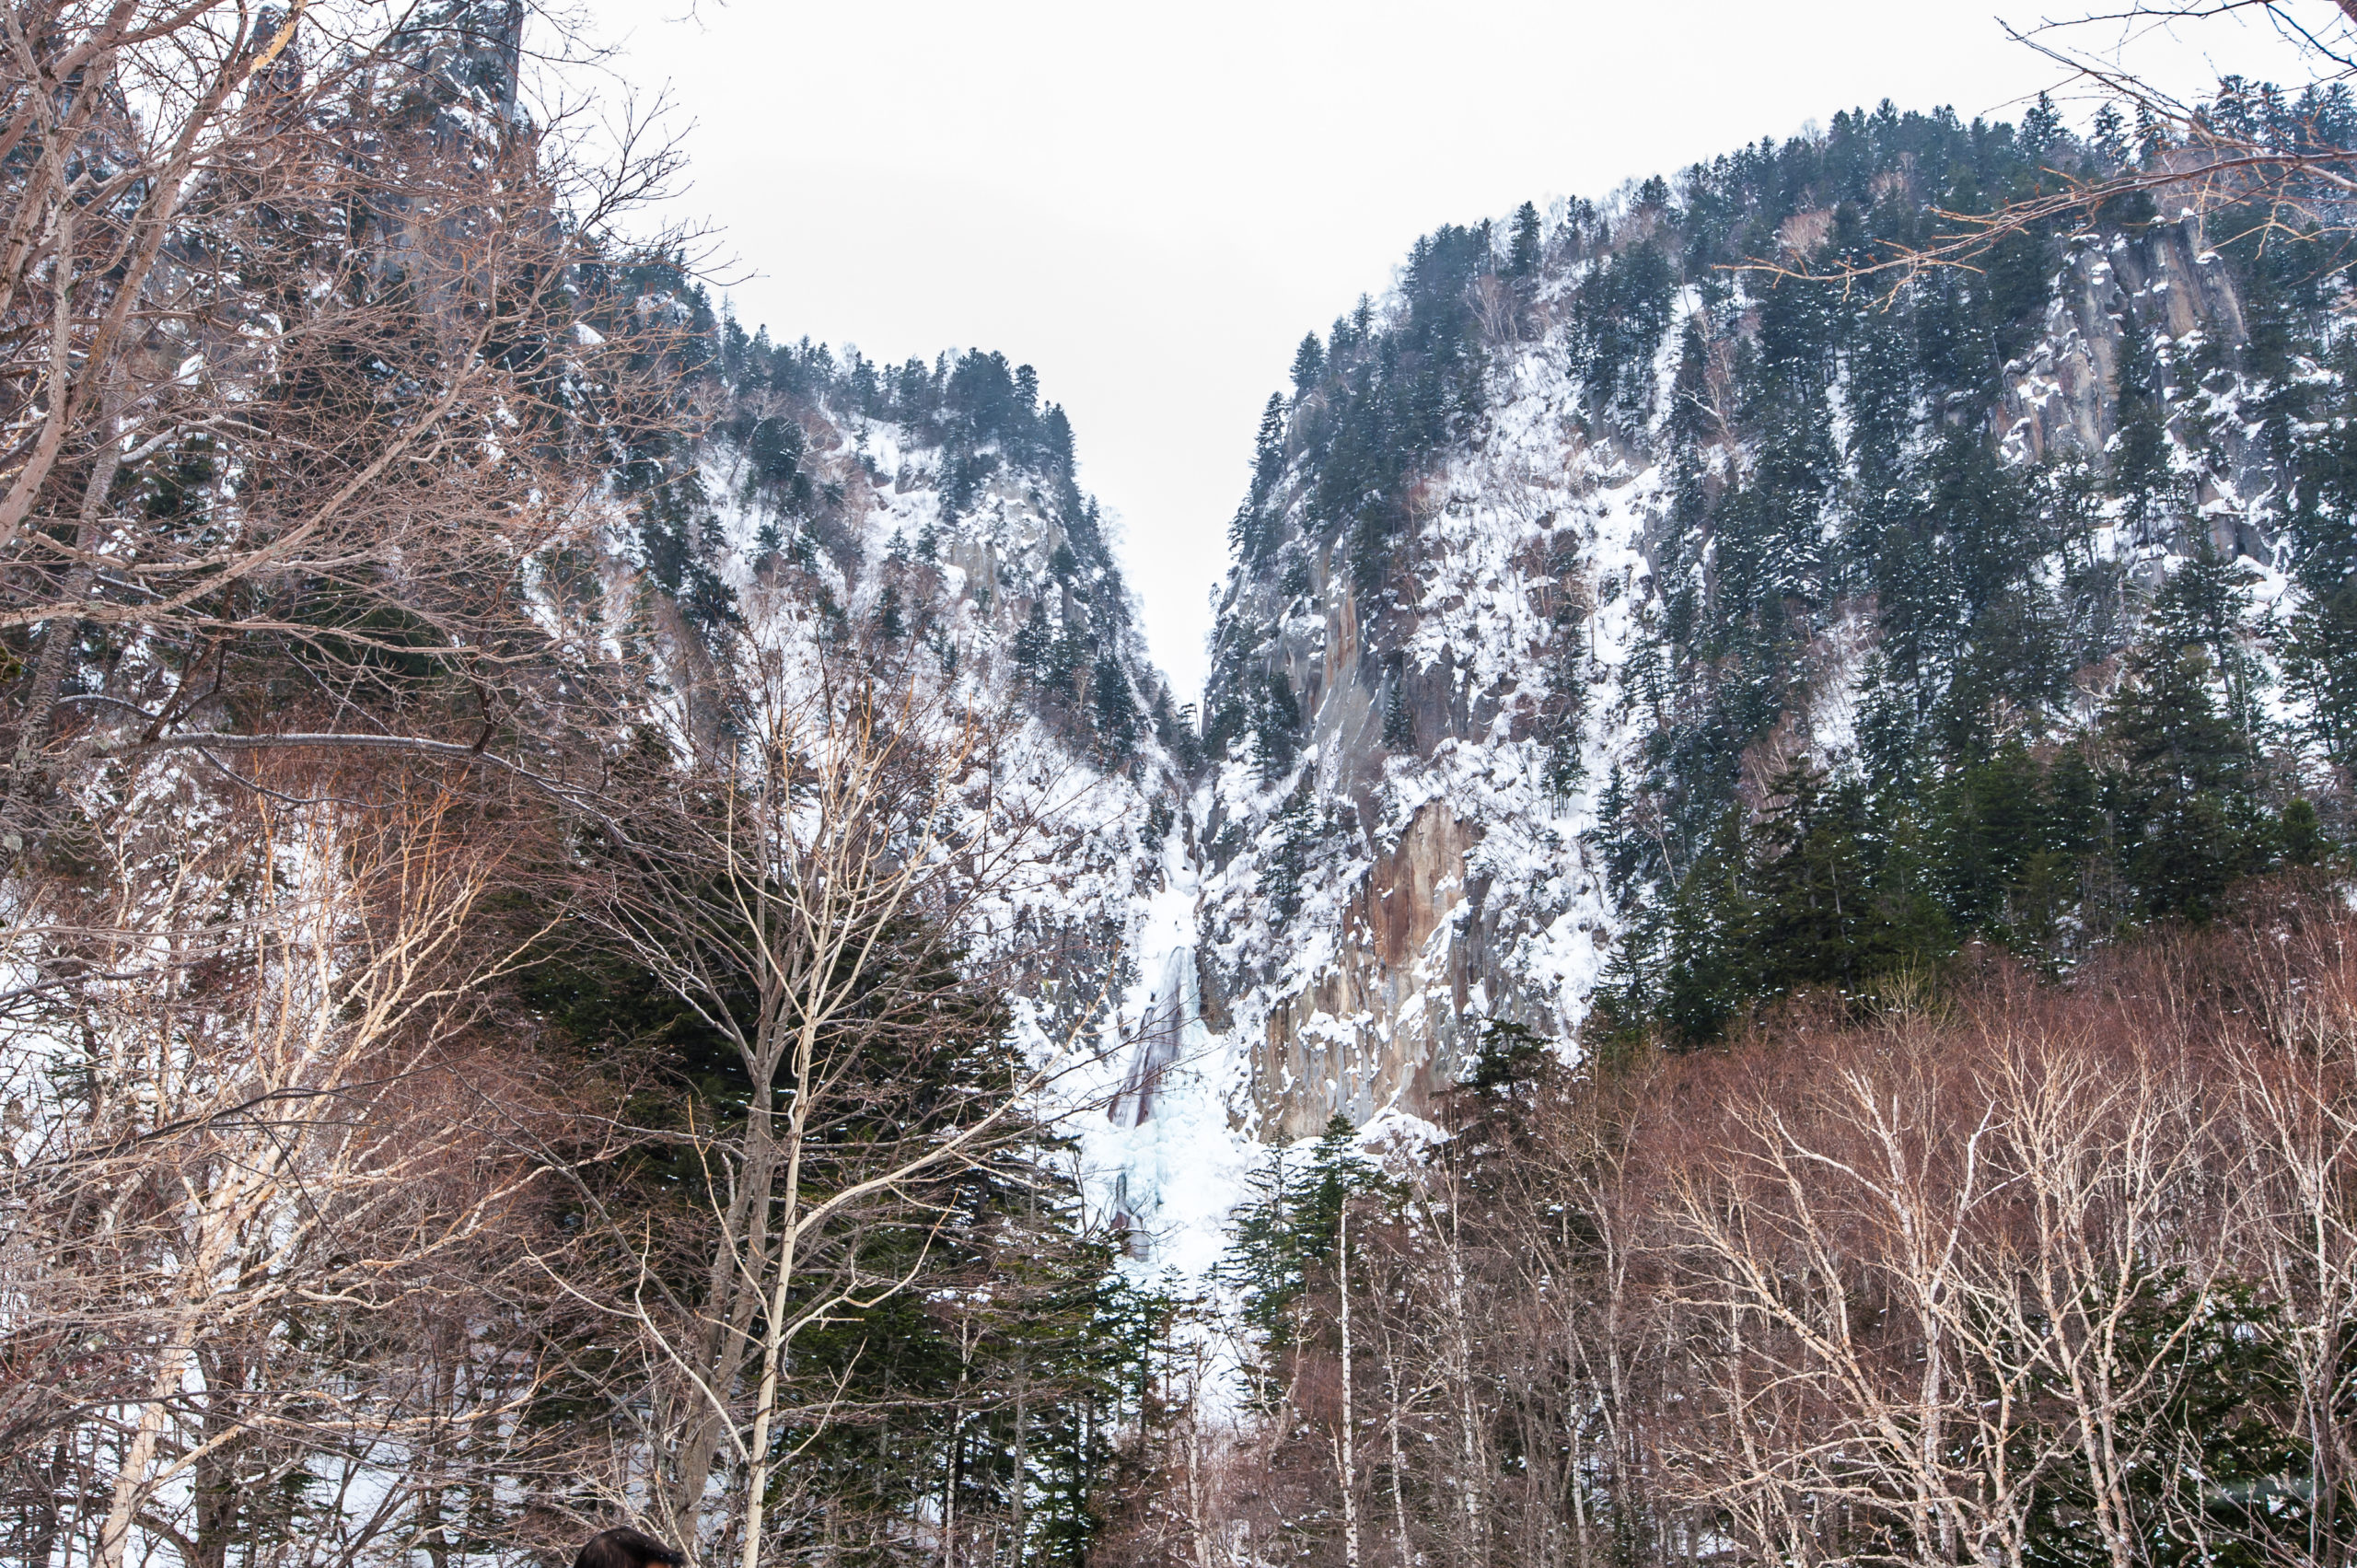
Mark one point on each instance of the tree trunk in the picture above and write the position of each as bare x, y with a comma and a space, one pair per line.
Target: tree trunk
1345, 1447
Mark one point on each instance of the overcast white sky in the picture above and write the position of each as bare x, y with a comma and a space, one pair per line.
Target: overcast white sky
1151, 204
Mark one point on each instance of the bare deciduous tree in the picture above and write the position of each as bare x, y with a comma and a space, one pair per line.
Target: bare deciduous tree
808, 889
2018, 1274
250, 1186
295, 417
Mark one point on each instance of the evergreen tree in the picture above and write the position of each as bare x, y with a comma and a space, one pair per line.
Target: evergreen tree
2206, 603
1997, 823
2300, 833
1056, 440
1286, 1231
2322, 665
1955, 346
2007, 637
2109, 138
1712, 922
2042, 135
1269, 449
1033, 638
2322, 649
1398, 721
1308, 365
1114, 706
1622, 312
1522, 258
1817, 921
1277, 736
2021, 276
2140, 450
1296, 835
2181, 773
1690, 414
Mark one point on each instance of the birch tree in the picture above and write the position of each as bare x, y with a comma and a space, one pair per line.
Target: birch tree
247, 1177
807, 891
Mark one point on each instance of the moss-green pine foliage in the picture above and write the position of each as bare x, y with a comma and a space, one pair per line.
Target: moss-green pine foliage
1285, 1233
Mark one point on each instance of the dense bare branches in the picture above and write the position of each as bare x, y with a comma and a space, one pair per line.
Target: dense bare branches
295, 417
249, 1205
805, 883
2043, 1275
304, 437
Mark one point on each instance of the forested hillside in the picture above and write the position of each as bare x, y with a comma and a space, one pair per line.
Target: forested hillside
1674, 591
1773, 850
607, 924
567, 864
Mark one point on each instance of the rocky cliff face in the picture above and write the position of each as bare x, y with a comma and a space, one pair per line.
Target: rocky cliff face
1416, 768
1551, 562
924, 523
2058, 401
1418, 872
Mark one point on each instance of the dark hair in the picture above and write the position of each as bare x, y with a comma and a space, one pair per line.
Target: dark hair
626, 1549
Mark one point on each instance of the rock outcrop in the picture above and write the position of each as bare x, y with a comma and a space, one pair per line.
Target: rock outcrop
1420, 868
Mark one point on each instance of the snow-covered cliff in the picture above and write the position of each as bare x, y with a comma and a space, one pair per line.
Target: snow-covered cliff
1465, 737
1567, 569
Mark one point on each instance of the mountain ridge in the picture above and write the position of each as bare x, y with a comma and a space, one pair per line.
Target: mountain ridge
1469, 725
1599, 552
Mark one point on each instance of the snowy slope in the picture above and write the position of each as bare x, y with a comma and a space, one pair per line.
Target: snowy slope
1280, 935
1365, 912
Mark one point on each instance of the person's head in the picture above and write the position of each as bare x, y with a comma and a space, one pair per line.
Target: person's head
627, 1549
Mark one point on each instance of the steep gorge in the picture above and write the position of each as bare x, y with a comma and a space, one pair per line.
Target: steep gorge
1466, 737
1569, 549
635, 890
